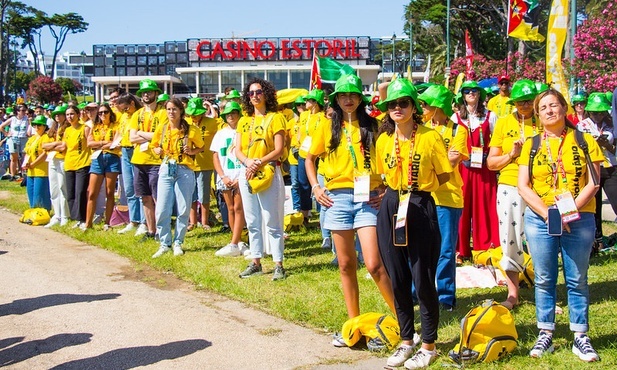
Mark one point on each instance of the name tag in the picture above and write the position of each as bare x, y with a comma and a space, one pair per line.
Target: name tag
567, 207
95, 154
306, 144
401, 214
143, 147
50, 156
476, 158
361, 189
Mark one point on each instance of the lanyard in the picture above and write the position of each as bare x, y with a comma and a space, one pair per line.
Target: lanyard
470, 132
522, 125
367, 164
559, 161
399, 160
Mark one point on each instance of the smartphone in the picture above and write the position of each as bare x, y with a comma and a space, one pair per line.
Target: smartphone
555, 225
603, 136
399, 237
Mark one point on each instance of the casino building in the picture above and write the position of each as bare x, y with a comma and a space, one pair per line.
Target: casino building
205, 67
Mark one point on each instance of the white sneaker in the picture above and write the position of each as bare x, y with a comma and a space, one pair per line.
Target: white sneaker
106, 227
76, 225
178, 249
423, 358
127, 228
243, 248
403, 352
97, 219
162, 249
141, 230
230, 250
83, 227
326, 243
64, 221
53, 222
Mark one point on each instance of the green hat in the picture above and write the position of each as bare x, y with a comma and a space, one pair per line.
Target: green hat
195, 107
45, 106
82, 105
348, 83
473, 85
9, 110
39, 120
438, 96
317, 95
147, 85
232, 94
400, 88
423, 86
230, 107
523, 90
61, 109
162, 98
541, 87
609, 97
458, 98
300, 100
577, 98
597, 102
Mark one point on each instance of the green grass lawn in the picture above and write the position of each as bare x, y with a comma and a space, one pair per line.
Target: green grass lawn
311, 295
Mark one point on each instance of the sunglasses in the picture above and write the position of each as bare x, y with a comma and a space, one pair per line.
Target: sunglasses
403, 104
101, 112
522, 103
255, 92
469, 91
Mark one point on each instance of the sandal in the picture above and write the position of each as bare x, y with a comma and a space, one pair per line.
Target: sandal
190, 227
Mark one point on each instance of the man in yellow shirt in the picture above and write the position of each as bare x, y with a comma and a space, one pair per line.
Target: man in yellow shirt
499, 104
146, 163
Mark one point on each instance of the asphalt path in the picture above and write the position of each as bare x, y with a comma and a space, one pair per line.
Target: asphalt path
68, 305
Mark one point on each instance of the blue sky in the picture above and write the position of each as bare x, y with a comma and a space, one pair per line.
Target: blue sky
138, 21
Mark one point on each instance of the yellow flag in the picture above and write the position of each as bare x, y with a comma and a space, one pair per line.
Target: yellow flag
555, 40
459, 82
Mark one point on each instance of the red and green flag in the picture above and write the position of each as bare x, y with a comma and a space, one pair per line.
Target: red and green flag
523, 20
327, 70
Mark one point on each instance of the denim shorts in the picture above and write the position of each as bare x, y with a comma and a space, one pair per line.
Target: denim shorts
345, 214
16, 144
105, 163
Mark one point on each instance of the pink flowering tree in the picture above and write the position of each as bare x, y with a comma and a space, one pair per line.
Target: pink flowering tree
595, 45
44, 89
518, 67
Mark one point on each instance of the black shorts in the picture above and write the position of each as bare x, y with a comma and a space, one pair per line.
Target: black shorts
145, 179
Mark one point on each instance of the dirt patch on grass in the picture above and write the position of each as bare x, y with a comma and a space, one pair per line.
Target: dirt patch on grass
152, 277
4, 195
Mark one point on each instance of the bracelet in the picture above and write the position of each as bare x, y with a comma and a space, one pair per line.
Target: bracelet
314, 187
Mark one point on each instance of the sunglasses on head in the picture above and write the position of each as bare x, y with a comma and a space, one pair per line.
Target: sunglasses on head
402, 103
255, 92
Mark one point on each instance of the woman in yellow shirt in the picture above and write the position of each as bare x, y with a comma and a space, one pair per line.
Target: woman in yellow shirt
104, 140
350, 198
414, 161
37, 184
76, 165
57, 182
177, 142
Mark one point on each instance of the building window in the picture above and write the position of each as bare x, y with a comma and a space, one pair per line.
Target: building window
209, 82
300, 79
231, 78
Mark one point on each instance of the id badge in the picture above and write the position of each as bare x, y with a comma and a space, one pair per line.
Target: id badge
115, 143
143, 147
476, 157
361, 188
306, 144
401, 213
567, 207
172, 168
95, 154
50, 156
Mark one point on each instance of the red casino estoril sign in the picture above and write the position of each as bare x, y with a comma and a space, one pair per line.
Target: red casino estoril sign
278, 48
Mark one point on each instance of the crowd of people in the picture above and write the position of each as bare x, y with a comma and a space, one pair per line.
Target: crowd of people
408, 182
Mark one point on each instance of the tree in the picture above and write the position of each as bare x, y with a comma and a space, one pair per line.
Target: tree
45, 90
519, 66
26, 23
595, 45
68, 85
21, 81
60, 25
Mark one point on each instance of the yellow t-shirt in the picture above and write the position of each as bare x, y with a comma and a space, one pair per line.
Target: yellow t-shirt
292, 132
429, 159
59, 135
507, 131
450, 194
251, 130
33, 149
77, 153
147, 121
124, 127
306, 128
338, 167
575, 165
208, 127
102, 132
172, 141
499, 105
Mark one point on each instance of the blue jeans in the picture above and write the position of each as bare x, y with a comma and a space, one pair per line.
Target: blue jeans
173, 192
448, 219
38, 192
134, 202
304, 189
575, 248
325, 233
295, 186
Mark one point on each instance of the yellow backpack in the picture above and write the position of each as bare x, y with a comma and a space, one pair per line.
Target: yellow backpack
380, 331
487, 334
35, 217
491, 257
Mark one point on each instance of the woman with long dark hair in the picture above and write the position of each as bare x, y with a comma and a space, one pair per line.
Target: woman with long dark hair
56, 174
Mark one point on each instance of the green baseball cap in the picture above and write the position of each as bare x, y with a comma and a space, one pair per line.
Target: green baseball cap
473, 85
438, 96
162, 98
147, 85
597, 102
577, 98
400, 88
232, 94
230, 107
348, 83
61, 109
523, 90
317, 95
39, 120
195, 107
